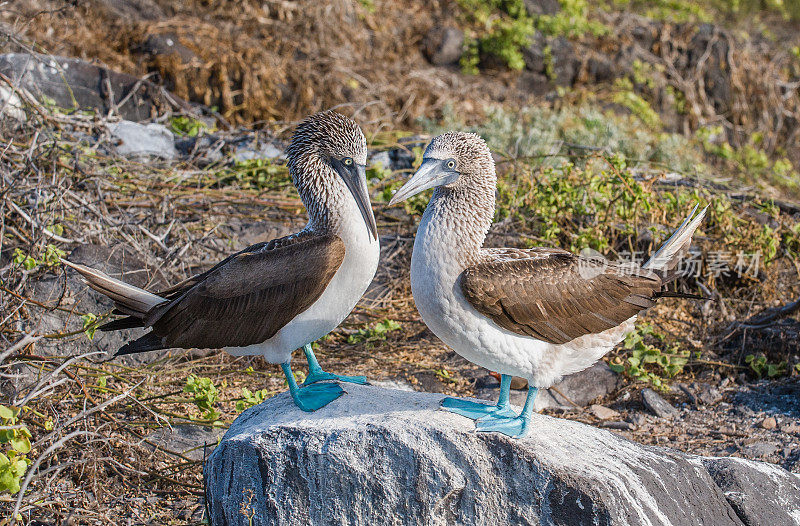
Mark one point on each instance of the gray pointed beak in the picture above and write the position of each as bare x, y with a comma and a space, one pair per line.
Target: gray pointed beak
431, 173
355, 177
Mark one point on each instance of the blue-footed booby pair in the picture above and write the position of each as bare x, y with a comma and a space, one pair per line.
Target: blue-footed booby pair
274, 297
540, 313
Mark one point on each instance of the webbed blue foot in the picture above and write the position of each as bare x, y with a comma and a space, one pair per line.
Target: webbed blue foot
514, 426
316, 374
476, 410
312, 397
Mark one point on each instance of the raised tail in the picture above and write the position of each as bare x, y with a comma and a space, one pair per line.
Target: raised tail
666, 259
127, 298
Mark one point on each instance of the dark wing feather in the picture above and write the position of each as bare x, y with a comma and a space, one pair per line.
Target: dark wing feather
250, 296
554, 295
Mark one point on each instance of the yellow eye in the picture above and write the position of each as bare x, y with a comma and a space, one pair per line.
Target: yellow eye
348, 162
451, 164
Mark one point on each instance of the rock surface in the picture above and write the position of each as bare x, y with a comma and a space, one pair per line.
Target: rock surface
73, 83
378, 456
657, 405
143, 140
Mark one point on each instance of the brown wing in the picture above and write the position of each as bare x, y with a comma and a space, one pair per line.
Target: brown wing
554, 295
179, 288
250, 296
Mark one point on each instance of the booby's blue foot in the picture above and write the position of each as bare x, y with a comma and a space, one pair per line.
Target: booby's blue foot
514, 426
312, 397
316, 374
476, 410
317, 396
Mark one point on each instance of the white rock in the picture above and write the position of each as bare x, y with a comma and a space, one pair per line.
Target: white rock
143, 140
378, 456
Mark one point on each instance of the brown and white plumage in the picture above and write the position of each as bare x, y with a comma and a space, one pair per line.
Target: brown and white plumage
274, 297
539, 313
542, 292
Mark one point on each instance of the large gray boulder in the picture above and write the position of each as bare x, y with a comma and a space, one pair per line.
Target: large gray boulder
72, 83
380, 456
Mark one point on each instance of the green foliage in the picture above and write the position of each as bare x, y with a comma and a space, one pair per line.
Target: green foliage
204, 394
646, 362
751, 162
50, 258
571, 21
502, 28
671, 10
16, 438
540, 133
249, 399
186, 126
376, 333
625, 96
377, 172
89, 325
471, 56
761, 367
261, 174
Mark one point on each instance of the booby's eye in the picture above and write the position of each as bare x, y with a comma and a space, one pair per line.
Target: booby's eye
347, 161
451, 164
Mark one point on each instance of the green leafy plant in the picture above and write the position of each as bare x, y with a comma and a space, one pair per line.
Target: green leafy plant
571, 21
50, 258
761, 367
646, 362
204, 394
501, 28
89, 325
249, 399
187, 126
625, 96
377, 332
14, 461
262, 174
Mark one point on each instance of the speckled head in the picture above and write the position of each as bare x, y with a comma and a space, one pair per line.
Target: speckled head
453, 160
327, 160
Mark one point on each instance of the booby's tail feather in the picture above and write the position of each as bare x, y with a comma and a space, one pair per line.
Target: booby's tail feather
666, 259
148, 342
128, 322
127, 298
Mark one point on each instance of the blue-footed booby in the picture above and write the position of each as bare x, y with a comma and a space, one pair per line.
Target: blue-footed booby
274, 297
539, 313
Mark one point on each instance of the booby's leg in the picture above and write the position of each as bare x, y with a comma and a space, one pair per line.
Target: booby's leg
517, 426
316, 374
312, 397
476, 410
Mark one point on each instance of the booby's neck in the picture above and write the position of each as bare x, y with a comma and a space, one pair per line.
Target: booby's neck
330, 206
456, 221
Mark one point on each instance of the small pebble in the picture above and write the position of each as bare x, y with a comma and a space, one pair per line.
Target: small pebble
637, 419
769, 423
603, 412
519, 383
791, 428
657, 405
622, 426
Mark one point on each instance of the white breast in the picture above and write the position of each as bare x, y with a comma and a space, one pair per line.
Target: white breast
445, 310
340, 297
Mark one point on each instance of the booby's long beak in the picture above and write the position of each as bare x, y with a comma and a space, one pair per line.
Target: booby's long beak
355, 177
431, 173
